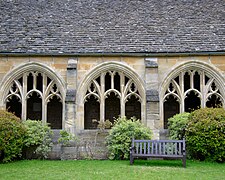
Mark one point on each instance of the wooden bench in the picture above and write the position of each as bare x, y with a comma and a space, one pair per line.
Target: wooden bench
170, 149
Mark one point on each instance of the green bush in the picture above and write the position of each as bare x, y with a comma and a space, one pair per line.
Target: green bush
38, 138
66, 137
119, 138
11, 136
205, 134
177, 125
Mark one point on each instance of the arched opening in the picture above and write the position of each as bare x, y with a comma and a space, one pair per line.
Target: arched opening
112, 83
133, 108
91, 113
214, 102
112, 107
171, 108
14, 106
192, 102
34, 106
107, 81
27, 90
117, 81
194, 85
54, 113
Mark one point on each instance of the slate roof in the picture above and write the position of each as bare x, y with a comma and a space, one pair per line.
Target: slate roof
111, 26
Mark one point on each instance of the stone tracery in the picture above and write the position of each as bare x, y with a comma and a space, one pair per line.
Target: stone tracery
191, 89
112, 90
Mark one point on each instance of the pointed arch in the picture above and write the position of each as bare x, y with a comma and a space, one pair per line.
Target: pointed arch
116, 72
193, 79
43, 81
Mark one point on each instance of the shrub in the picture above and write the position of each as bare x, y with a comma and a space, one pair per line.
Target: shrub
205, 134
11, 136
9, 115
119, 138
177, 125
38, 138
66, 137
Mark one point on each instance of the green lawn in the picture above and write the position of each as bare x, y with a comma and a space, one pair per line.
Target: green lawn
105, 169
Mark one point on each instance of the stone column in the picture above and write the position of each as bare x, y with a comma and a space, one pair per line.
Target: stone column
152, 96
70, 108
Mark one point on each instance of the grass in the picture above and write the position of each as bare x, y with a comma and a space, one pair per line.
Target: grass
106, 169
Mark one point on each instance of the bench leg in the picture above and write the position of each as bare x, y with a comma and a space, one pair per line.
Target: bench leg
184, 162
131, 160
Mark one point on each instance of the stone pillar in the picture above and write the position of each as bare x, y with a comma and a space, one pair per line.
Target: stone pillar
70, 108
152, 96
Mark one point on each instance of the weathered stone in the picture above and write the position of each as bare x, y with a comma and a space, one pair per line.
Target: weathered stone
71, 95
152, 95
151, 63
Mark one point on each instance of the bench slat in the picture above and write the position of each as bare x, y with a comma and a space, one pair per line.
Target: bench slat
152, 147
145, 148
148, 147
180, 148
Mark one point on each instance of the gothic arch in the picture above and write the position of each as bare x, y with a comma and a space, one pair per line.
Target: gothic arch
97, 72
46, 84
197, 79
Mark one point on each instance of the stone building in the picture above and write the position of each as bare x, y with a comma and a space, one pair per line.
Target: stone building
69, 62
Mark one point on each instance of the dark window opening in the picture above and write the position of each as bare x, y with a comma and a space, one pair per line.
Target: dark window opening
206, 79
186, 81
112, 107
48, 81
54, 113
214, 102
91, 113
39, 82
177, 80
30, 82
117, 81
34, 107
213, 86
98, 80
192, 102
171, 108
21, 80
197, 81
133, 108
171, 87
14, 106
126, 80
107, 82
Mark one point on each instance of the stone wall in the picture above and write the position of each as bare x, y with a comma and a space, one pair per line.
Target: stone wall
73, 71
90, 144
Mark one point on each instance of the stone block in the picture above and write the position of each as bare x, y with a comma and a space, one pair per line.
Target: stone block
152, 95
222, 67
70, 95
153, 107
60, 66
151, 62
218, 60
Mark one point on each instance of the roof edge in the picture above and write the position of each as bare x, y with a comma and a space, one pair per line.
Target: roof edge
121, 54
